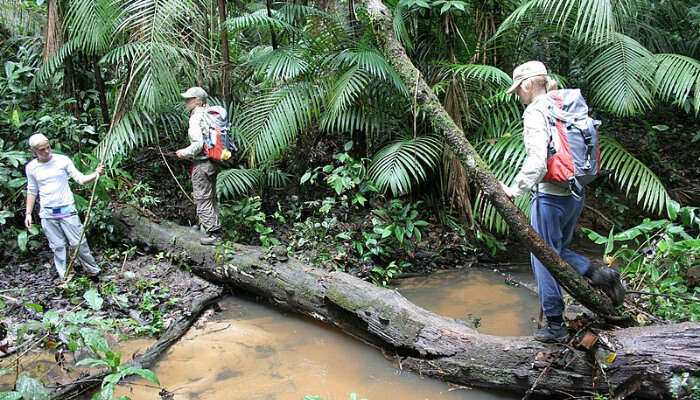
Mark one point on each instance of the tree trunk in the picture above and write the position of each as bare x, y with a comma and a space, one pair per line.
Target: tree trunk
101, 92
646, 359
225, 78
479, 172
273, 37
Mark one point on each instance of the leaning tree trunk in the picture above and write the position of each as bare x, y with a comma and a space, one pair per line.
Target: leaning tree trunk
646, 359
479, 172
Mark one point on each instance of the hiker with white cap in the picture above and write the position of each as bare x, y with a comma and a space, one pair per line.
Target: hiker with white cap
555, 209
47, 179
204, 171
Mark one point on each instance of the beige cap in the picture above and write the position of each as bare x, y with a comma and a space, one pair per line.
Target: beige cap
525, 71
193, 92
37, 139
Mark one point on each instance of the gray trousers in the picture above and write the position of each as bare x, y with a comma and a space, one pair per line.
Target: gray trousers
63, 232
204, 187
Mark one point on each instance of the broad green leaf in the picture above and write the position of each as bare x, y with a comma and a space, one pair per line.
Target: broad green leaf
94, 300
144, 373
22, 240
30, 388
10, 396
33, 306
51, 317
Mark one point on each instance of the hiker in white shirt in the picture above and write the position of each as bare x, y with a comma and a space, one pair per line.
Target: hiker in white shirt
47, 179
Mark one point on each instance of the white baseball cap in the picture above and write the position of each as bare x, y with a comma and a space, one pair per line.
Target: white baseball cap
193, 92
36, 139
525, 71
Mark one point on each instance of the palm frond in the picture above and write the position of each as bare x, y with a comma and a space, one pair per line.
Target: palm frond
676, 78
274, 119
347, 89
481, 74
281, 64
401, 14
91, 24
371, 61
259, 19
405, 162
620, 76
497, 116
630, 172
137, 129
236, 182
49, 68
591, 21
276, 178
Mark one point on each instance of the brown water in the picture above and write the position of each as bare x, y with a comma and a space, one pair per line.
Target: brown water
255, 352
250, 351
503, 310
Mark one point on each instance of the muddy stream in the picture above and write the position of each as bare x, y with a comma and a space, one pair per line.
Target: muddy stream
251, 351
254, 352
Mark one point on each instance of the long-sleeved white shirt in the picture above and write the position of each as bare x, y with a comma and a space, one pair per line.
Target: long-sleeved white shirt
49, 181
194, 132
536, 136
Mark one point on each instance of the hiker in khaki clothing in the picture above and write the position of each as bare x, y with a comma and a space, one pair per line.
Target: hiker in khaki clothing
204, 171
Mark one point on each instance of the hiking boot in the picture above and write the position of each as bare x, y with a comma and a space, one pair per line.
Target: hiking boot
553, 332
209, 240
608, 280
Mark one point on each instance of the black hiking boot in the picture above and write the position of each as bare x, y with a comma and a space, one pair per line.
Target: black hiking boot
553, 332
608, 280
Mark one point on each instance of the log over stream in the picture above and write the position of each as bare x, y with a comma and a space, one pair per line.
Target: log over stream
641, 360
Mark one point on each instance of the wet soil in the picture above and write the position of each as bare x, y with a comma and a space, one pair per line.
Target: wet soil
145, 292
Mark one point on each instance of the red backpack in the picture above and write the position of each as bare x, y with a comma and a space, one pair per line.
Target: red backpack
577, 160
216, 131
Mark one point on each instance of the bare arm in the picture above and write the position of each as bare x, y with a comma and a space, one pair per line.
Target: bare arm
31, 199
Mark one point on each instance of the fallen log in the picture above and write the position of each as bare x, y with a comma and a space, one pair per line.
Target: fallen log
645, 359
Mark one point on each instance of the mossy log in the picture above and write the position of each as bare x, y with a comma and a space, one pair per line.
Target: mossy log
479, 171
646, 359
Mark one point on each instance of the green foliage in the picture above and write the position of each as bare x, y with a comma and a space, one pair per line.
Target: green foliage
243, 220
654, 257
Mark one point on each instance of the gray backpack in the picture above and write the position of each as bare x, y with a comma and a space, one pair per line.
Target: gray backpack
577, 160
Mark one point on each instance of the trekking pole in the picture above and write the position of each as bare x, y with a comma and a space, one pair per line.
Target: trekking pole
82, 232
173, 175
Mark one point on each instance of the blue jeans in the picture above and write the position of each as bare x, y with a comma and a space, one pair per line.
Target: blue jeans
554, 218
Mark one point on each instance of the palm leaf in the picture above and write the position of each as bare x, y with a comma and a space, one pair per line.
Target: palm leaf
405, 162
591, 21
274, 119
92, 23
259, 19
236, 182
676, 78
630, 172
621, 76
480, 74
281, 64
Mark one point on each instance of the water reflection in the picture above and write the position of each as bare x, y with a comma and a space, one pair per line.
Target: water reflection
503, 310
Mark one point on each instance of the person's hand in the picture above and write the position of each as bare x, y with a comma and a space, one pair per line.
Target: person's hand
179, 154
100, 169
506, 189
28, 221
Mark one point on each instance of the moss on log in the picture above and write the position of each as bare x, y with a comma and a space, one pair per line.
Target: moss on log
646, 358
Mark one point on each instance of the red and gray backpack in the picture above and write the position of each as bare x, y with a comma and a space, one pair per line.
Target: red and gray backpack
576, 161
216, 131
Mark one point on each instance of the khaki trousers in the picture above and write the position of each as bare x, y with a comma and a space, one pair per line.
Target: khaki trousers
204, 187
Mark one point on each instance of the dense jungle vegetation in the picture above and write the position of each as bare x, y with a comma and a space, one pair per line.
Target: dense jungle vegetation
337, 162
